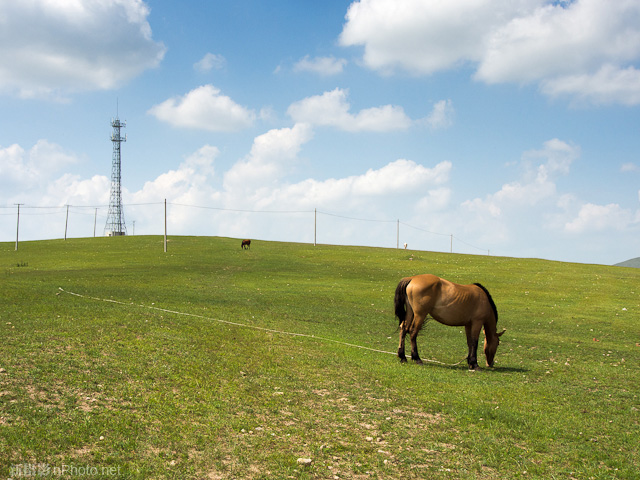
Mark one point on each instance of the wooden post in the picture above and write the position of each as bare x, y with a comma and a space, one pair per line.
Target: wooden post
165, 225
18, 226
66, 224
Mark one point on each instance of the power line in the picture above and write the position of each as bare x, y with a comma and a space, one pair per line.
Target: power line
423, 230
77, 209
237, 209
357, 219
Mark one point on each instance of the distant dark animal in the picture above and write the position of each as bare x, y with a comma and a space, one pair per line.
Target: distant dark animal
468, 306
246, 244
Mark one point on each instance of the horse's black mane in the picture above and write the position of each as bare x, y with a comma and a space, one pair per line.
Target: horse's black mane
491, 302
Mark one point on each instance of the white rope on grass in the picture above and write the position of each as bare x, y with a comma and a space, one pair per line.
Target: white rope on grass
236, 324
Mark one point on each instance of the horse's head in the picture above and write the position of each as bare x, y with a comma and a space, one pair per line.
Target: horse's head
491, 343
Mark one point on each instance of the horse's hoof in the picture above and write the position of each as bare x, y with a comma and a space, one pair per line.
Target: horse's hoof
418, 362
474, 368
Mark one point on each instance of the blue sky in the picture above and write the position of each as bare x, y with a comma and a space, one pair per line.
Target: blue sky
511, 127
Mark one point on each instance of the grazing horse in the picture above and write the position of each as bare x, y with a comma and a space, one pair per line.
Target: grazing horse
246, 244
451, 304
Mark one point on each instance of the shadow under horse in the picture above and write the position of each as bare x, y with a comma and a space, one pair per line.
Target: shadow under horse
468, 306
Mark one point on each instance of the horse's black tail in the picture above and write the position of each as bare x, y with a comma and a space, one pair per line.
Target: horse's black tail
400, 299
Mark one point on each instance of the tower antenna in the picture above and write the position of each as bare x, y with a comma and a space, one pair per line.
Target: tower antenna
115, 218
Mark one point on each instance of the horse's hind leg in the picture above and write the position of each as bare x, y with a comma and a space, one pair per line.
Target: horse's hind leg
415, 329
403, 333
405, 326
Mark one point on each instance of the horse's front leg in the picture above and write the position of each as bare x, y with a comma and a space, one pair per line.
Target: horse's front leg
473, 334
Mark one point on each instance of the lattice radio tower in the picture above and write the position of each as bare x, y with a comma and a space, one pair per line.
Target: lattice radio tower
115, 219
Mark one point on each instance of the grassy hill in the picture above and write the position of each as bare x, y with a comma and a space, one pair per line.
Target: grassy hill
634, 263
211, 362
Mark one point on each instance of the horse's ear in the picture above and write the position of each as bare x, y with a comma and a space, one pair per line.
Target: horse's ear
503, 330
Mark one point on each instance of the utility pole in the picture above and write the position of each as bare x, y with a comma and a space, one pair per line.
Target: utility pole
18, 225
66, 224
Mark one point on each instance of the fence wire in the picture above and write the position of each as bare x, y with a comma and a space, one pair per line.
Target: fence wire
99, 214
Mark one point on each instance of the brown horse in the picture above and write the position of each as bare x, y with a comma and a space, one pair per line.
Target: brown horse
246, 243
451, 304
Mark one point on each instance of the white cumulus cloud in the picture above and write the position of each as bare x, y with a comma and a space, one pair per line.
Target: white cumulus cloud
192, 175
270, 156
333, 109
537, 184
441, 116
20, 169
325, 66
210, 62
49, 49
589, 49
422, 37
400, 176
189, 184
204, 108
593, 217
608, 85
629, 167
367, 192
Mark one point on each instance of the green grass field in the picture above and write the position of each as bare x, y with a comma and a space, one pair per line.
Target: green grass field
143, 377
